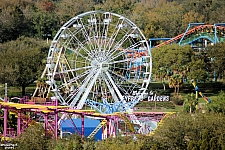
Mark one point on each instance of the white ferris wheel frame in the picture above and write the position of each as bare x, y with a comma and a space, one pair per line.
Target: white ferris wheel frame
103, 51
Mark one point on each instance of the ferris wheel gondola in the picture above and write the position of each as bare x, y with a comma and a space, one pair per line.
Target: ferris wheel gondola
98, 55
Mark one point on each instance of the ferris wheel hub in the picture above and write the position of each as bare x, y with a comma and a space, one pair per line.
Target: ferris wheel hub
102, 58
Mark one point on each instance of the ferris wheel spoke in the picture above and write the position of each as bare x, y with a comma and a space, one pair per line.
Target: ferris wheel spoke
76, 69
86, 34
121, 41
78, 53
75, 79
81, 45
114, 95
94, 31
87, 91
112, 39
98, 55
121, 61
114, 85
125, 92
125, 79
136, 45
82, 89
105, 30
121, 53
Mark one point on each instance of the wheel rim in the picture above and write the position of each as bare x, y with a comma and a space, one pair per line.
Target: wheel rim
98, 55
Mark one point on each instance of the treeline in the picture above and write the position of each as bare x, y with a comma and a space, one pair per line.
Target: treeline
156, 18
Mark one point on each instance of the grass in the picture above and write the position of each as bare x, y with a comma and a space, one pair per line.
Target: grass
210, 90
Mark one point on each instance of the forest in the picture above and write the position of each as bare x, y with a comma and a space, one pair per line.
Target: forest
28, 26
156, 18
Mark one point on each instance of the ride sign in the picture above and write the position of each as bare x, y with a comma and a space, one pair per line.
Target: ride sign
151, 97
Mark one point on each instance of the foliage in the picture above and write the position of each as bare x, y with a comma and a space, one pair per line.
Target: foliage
161, 18
22, 61
72, 142
185, 131
216, 56
190, 103
177, 99
217, 105
176, 82
120, 143
197, 69
33, 138
171, 59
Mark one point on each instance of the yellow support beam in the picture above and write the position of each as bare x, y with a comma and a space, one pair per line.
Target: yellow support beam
97, 128
127, 121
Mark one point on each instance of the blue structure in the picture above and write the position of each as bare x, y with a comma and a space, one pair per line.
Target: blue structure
194, 35
109, 108
89, 126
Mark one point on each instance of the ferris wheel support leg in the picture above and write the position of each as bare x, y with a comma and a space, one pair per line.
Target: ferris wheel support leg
42, 76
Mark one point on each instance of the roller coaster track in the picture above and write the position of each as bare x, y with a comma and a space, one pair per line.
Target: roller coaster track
23, 116
120, 115
161, 122
126, 121
97, 129
201, 31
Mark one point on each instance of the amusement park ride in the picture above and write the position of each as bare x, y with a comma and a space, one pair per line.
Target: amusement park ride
97, 60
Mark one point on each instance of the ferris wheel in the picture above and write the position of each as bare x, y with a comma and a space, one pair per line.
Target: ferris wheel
98, 56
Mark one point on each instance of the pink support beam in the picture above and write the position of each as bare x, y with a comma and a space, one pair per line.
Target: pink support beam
56, 119
5, 119
19, 123
82, 125
46, 123
107, 126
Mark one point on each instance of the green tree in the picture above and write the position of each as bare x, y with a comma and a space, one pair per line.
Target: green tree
197, 69
163, 72
22, 61
218, 104
216, 54
72, 142
176, 81
33, 138
45, 24
172, 57
190, 102
192, 131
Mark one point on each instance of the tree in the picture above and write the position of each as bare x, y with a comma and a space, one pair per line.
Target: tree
172, 57
72, 142
216, 53
218, 104
192, 131
22, 61
15, 19
190, 102
198, 68
33, 138
176, 82
45, 24
163, 74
